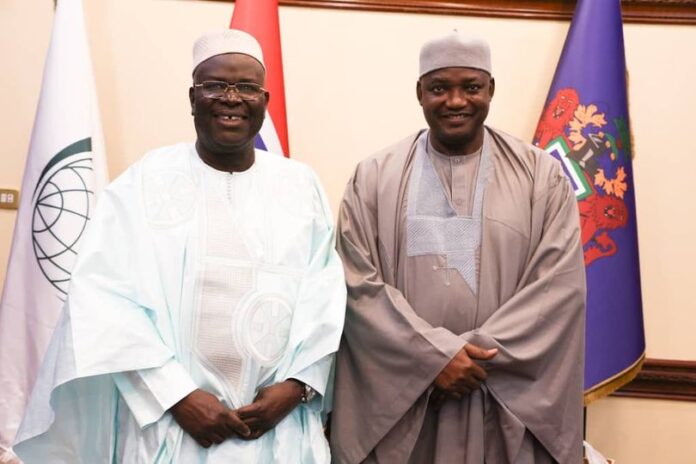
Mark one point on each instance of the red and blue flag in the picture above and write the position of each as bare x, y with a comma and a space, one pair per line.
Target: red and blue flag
260, 19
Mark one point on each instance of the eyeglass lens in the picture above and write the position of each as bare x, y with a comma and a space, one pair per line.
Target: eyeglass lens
219, 89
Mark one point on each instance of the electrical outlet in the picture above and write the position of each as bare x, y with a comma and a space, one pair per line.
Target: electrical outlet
9, 199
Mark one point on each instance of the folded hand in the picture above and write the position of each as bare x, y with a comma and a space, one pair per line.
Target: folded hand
207, 420
463, 374
270, 406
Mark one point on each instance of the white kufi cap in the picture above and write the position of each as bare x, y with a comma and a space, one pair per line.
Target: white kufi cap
226, 41
455, 50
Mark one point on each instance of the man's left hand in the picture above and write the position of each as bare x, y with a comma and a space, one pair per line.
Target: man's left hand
270, 406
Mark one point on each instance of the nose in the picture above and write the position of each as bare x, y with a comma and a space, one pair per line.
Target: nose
231, 95
456, 98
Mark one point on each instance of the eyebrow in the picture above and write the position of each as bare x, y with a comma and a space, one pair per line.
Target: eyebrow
222, 79
442, 80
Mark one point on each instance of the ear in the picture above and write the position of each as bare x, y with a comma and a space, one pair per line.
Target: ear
267, 98
491, 87
191, 100
419, 92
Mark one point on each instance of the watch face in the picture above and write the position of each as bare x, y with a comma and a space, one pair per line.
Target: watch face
309, 394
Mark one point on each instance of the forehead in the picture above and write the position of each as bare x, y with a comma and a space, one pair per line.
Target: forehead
230, 67
456, 74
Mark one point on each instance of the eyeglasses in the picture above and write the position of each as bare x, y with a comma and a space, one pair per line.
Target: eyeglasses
219, 89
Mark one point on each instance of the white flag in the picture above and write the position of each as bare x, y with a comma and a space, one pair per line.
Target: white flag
64, 172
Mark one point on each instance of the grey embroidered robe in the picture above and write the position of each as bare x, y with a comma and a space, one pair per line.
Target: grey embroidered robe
529, 304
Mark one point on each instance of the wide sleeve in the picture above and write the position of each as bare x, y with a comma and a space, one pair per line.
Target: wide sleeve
539, 330
389, 355
320, 306
107, 326
149, 393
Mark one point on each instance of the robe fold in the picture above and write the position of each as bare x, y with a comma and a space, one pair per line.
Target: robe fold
408, 316
189, 278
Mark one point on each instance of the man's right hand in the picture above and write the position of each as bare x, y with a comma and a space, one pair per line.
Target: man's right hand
462, 374
206, 419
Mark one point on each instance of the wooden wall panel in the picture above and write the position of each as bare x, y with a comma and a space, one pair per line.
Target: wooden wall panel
634, 11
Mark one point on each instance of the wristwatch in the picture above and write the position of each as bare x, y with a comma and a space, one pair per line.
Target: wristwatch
308, 394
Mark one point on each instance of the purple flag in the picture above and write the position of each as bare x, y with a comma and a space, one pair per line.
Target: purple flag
585, 125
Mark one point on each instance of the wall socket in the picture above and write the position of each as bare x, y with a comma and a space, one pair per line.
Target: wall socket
9, 199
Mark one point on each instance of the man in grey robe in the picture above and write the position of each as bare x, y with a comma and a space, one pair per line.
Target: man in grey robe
464, 334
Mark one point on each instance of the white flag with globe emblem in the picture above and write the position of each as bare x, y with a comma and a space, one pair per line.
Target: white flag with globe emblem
64, 172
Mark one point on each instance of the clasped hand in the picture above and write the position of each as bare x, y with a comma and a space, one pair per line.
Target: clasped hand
209, 422
462, 375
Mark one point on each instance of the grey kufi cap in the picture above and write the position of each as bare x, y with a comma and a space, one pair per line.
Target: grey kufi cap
455, 50
226, 41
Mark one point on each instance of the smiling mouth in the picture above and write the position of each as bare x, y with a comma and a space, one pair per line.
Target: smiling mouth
230, 117
457, 116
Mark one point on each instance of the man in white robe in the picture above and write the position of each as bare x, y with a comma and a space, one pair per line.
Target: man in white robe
464, 331
207, 301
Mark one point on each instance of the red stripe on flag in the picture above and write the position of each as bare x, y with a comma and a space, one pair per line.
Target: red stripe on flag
260, 19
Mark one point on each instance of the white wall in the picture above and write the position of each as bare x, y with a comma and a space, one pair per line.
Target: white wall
350, 84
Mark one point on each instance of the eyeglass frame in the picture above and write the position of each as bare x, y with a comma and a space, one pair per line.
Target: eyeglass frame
229, 87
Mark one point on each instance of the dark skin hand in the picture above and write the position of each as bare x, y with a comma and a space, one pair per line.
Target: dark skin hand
270, 406
207, 420
462, 374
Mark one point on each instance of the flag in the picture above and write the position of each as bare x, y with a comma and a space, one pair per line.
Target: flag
585, 125
64, 171
260, 19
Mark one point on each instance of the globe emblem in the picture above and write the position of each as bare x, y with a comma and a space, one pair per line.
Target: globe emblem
264, 328
63, 203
